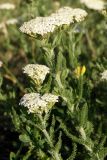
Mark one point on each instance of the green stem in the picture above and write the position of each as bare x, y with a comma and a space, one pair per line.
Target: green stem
33, 49
80, 88
47, 137
89, 40
28, 154
97, 156
74, 138
72, 50
54, 154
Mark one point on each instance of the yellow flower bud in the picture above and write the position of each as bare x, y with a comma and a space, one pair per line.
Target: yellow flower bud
83, 70
80, 71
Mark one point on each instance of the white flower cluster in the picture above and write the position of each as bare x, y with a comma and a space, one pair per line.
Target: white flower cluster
104, 75
39, 25
38, 104
36, 72
67, 15
94, 4
7, 6
44, 25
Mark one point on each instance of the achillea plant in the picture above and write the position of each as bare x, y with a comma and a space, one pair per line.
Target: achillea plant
55, 122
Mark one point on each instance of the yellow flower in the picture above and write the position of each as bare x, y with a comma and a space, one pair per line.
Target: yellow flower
80, 71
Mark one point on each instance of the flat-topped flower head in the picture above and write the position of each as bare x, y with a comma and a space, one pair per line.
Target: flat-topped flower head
39, 25
72, 14
37, 72
7, 6
38, 104
94, 4
67, 15
104, 75
34, 103
44, 25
